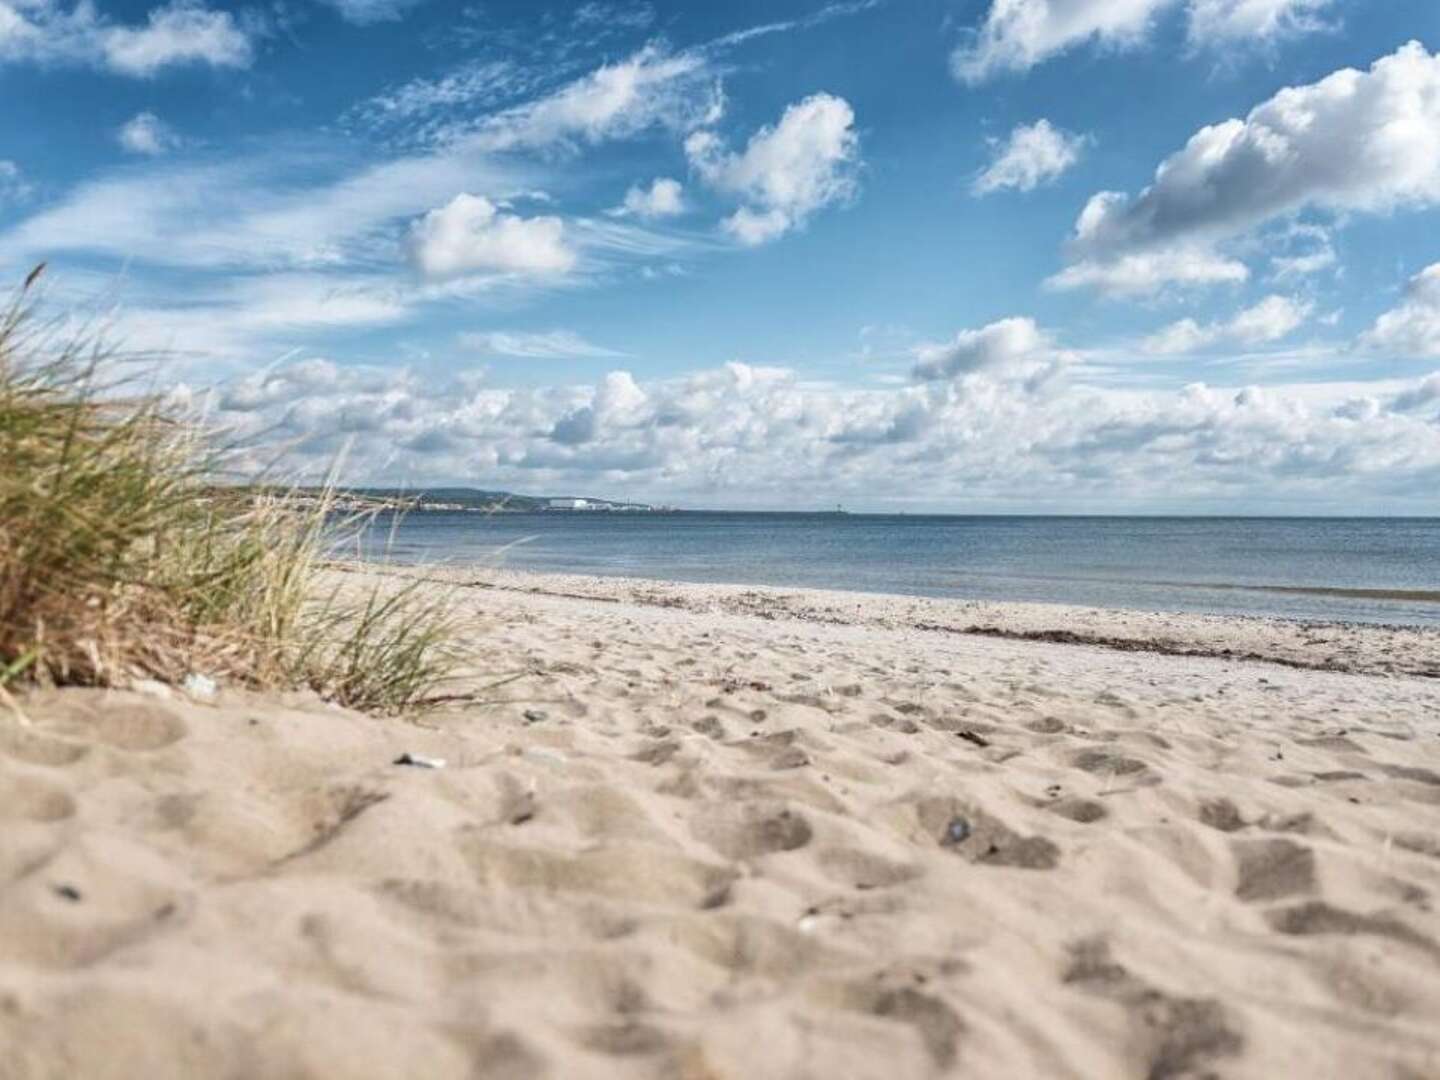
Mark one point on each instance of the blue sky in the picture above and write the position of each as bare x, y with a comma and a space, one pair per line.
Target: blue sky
1020, 255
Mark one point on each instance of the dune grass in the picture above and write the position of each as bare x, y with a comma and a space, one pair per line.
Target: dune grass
122, 559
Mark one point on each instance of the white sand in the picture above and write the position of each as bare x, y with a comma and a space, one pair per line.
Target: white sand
746, 834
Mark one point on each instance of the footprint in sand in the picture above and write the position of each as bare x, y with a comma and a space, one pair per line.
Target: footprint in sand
1106, 763
1221, 814
860, 869
938, 1025
618, 872
1318, 917
1174, 1036
1272, 869
28, 799
1074, 808
139, 727
748, 830
34, 748
982, 839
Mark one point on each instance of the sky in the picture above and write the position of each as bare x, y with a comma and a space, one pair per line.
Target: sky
1021, 256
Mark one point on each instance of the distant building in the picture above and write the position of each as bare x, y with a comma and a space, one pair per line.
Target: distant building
570, 504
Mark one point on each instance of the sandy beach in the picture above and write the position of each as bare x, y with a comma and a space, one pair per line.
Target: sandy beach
721, 832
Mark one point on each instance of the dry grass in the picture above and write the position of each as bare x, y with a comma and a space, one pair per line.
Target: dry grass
121, 560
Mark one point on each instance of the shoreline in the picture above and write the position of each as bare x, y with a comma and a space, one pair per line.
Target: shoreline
1348, 647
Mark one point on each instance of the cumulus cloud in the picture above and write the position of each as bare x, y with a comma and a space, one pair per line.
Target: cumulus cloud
1008, 347
531, 345
785, 173
182, 32
1356, 141
1412, 328
369, 12
178, 33
1016, 35
1421, 395
663, 198
471, 235
145, 133
746, 435
1034, 154
1269, 320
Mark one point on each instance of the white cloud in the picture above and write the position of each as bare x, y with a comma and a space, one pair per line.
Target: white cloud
177, 33
1420, 396
786, 172
1269, 320
747, 435
1033, 155
471, 235
663, 198
145, 133
1412, 328
1019, 34
651, 88
530, 345
1010, 346
1143, 273
369, 12
630, 16
14, 187
1308, 249
1356, 141
1228, 22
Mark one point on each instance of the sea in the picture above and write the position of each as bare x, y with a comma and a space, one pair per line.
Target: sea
1384, 570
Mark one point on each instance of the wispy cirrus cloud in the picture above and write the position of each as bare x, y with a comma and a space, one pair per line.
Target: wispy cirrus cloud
535, 345
370, 12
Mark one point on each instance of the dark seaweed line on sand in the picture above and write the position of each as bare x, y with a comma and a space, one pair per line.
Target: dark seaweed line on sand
1119, 644
1054, 637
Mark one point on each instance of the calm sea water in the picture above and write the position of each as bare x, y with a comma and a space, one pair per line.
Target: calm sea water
1259, 566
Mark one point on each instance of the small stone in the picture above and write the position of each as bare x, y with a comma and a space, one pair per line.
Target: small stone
535, 716
68, 892
419, 761
957, 832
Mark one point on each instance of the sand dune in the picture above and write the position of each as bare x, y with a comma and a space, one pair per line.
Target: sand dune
734, 833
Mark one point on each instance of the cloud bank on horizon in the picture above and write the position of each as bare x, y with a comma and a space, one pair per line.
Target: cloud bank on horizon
1039, 254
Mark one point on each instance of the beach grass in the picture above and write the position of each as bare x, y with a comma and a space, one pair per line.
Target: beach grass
122, 558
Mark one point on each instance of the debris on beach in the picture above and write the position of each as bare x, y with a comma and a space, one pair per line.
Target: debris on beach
419, 761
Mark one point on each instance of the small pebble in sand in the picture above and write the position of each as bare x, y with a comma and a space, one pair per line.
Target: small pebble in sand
419, 761
535, 716
68, 892
957, 832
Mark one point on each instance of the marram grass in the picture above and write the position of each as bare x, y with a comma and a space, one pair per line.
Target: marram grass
121, 559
